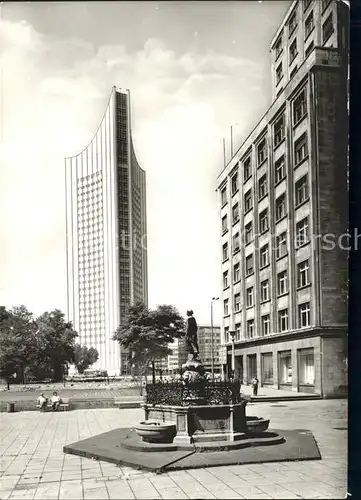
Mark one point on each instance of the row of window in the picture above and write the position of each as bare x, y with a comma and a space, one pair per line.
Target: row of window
300, 154
301, 195
303, 279
303, 321
327, 30
302, 237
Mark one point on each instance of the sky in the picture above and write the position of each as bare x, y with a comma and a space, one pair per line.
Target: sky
194, 69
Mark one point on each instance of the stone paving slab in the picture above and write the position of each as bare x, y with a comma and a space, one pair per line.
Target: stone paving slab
31, 445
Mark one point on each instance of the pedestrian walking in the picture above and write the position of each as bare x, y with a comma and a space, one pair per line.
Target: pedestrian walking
255, 386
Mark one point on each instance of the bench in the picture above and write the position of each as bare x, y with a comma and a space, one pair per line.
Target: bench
64, 405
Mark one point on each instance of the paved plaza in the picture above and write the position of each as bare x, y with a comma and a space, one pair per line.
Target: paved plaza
34, 466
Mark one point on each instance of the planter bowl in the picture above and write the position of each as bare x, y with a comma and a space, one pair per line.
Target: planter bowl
156, 432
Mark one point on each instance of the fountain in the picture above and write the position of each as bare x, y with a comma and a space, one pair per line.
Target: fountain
186, 418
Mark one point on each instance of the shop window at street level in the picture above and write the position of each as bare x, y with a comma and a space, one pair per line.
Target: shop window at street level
267, 368
306, 366
285, 367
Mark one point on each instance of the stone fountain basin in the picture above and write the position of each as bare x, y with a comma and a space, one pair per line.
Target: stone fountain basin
152, 431
257, 424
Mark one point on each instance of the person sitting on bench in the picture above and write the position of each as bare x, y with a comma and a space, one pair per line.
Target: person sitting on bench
55, 401
42, 402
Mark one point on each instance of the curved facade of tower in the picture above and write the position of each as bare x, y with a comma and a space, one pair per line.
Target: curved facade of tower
106, 233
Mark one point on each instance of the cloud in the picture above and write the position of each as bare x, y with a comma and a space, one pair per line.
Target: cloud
55, 92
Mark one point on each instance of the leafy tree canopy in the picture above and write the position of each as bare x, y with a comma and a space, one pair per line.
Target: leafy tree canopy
147, 333
84, 357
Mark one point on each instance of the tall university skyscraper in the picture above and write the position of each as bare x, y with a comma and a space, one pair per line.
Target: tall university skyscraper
106, 233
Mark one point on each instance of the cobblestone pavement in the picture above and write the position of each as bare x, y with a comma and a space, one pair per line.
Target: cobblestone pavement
33, 465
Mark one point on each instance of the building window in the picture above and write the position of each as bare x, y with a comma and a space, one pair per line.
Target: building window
285, 367
306, 366
292, 24
302, 232
225, 279
236, 243
280, 207
248, 233
325, 4
261, 152
293, 72
238, 331
279, 73
281, 245
265, 324
226, 334
293, 50
301, 190
327, 28
309, 49
263, 221
303, 274
282, 283
278, 47
224, 224
237, 302
264, 291
280, 170
247, 169
267, 368
234, 183
283, 320
248, 201
306, 4
236, 272
224, 196
249, 265
279, 130
226, 307
301, 149
262, 187
235, 213
250, 328
304, 315
299, 107
264, 256
309, 25
225, 251
249, 297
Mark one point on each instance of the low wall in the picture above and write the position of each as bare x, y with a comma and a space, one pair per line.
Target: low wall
75, 404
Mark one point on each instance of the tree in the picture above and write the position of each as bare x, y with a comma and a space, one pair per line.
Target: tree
84, 357
18, 342
147, 333
55, 343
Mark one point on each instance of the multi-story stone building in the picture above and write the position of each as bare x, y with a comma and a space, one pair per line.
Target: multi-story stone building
284, 213
105, 233
206, 351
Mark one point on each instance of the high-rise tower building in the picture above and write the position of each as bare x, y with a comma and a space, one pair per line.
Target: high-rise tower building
106, 233
284, 214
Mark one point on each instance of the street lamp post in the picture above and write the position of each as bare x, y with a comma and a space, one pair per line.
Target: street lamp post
212, 348
232, 333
